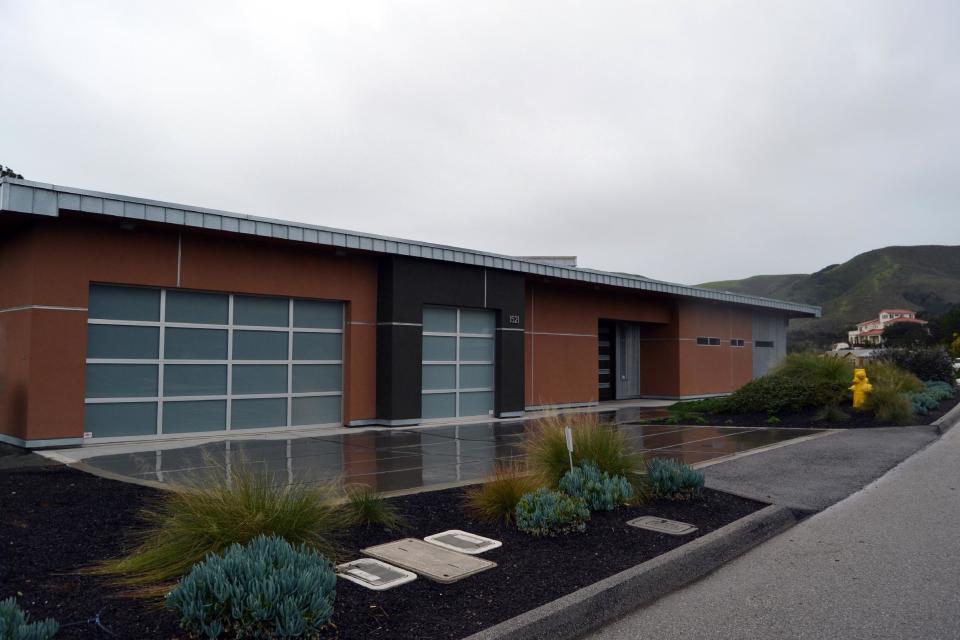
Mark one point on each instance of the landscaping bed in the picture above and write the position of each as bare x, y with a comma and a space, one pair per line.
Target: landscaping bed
58, 521
810, 419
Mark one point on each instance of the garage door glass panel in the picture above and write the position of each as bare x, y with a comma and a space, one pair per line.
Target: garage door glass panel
439, 320
121, 419
194, 344
439, 376
476, 376
255, 413
317, 346
194, 380
442, 349
439, 405
316, 377
123, 303
316, 410
313, 314
122, 380
173, 361
477, 321
196, 415
197, 308
260, 345
476, 349
259, 379
124, 342
476, 404
255, 311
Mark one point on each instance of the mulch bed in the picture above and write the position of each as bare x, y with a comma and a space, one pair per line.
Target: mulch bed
57, 521
808, 419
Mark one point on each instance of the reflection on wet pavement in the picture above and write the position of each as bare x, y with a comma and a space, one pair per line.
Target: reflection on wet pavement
401, 459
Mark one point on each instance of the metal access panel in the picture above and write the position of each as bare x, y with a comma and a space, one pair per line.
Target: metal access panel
662, 525
374, 574
462, 541
429, 560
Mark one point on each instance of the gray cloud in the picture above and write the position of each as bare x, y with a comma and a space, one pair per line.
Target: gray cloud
686, 141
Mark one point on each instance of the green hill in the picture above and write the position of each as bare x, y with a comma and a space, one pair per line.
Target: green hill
925, 278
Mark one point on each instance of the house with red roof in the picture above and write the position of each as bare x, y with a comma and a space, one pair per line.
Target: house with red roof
870, 332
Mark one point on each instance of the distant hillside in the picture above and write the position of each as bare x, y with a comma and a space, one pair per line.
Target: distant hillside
924, 278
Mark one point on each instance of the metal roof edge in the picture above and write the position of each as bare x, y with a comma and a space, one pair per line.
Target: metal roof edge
38, 198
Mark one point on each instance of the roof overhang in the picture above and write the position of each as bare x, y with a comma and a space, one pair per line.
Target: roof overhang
36, 198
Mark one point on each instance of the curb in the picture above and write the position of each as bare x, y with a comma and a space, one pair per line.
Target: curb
948, 420
600, 603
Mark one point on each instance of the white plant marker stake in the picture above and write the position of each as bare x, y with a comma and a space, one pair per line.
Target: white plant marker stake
568, 432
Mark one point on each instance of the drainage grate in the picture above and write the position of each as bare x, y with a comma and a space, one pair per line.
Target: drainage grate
429, 560
374, 574
464, 542
662, 525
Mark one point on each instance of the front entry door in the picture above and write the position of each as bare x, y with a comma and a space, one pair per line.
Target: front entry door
628, 360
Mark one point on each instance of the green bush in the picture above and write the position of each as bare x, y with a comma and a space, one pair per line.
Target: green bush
216, 512
813, 366
549, 513
600, 490
593, 441
775, 393
496, 499
15, 624
926, 363
890, 406
266, 589
364, 506
940, 390
667, 478
886, 374
923, 403
832, 413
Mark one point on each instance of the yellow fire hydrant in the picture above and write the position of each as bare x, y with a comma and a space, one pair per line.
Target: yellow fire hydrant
861, 388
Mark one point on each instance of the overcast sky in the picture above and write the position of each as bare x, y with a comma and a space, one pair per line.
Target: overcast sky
686, 141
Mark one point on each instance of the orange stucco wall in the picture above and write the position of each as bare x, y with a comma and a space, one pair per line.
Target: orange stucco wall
561, 343
561, 338
53, 262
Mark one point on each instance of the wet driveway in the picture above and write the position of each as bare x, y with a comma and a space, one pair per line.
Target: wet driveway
404, 459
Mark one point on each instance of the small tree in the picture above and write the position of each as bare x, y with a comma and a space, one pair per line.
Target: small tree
955, 346
905, 334
7, 172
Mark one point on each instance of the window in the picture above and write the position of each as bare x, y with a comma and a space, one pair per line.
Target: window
171, 361
458, 362
736, 342
763, 344
712, 342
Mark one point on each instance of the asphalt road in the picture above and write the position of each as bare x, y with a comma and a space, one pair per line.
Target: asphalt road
883, 563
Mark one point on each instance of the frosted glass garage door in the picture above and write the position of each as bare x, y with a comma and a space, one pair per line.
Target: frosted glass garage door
171, 361
458, 362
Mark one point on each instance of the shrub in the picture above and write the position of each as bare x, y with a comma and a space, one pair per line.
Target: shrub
593, 441
773, 421
598, 489
926, 363
364, 506
210, 515
923, 403
15, 624
813, 366
886, 374
266, 589
549, 513
940, 390
775, 393
496, 499
890, 406
673, 480
832, 413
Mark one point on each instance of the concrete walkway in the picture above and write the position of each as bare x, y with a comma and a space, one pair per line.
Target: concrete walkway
884, 563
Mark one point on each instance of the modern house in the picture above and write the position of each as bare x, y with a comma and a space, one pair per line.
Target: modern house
870, 332
126, 318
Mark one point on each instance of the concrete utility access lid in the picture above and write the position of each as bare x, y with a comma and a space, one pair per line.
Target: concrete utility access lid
374, 574
662, 525
429, 560
464, 542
